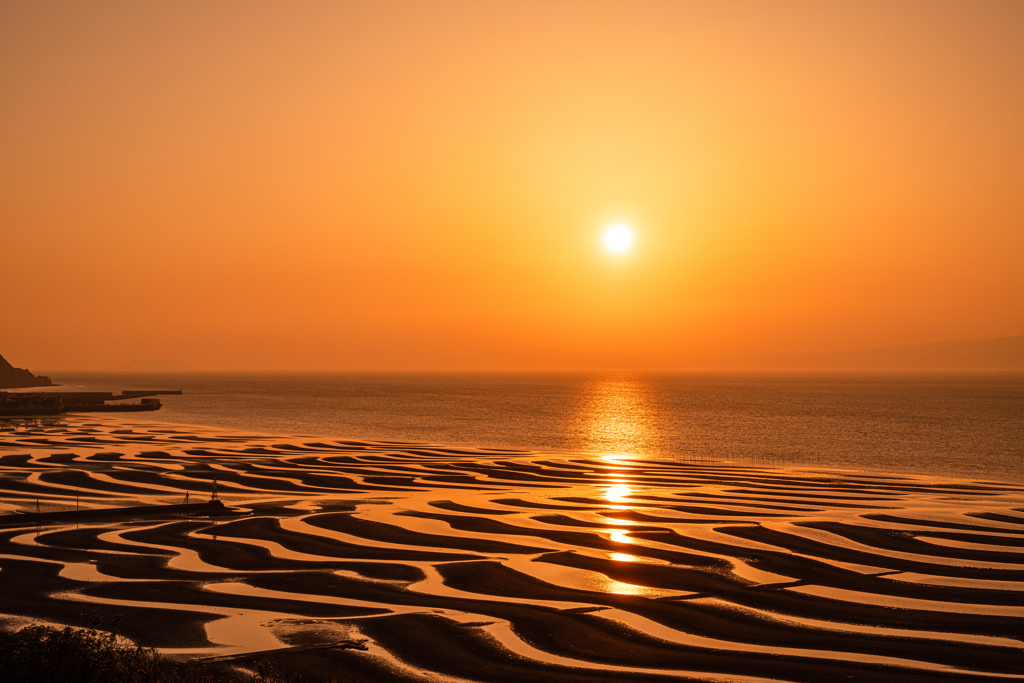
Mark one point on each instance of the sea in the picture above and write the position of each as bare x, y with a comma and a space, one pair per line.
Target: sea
950, 425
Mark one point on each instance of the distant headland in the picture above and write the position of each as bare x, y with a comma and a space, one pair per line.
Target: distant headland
15, 378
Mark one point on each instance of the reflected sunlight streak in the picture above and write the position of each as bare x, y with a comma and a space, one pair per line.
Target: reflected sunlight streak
615, 420
618, 493
620, 536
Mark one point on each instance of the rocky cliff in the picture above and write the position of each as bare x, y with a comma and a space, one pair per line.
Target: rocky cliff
13, 378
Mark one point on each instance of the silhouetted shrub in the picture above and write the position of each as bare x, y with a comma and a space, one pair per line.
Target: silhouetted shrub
43, 654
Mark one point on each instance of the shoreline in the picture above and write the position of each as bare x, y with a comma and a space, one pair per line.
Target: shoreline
496, 565
477, 449
964, 426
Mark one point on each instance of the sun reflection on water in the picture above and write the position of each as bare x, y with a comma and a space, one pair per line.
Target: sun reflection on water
615, 417
616, 421
618, 493
621, 536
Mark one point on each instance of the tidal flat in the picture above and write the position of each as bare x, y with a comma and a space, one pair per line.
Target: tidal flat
367, 560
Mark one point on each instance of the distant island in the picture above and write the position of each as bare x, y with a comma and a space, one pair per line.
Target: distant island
16, 378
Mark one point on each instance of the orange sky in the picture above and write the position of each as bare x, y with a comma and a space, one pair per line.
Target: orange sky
423, 185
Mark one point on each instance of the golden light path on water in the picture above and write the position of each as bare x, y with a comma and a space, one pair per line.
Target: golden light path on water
619, 420
616, 418
618, 496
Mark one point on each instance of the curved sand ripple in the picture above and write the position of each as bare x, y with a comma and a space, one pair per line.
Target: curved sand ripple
497, 565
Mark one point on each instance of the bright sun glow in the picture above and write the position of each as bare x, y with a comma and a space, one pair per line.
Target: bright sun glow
618, 238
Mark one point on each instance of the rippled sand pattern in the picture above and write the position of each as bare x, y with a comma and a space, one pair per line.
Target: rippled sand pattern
388, 561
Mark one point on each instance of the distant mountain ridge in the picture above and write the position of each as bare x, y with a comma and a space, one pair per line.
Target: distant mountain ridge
16, 378
995, 354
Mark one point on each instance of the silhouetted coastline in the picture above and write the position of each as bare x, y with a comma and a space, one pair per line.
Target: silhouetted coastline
17, 378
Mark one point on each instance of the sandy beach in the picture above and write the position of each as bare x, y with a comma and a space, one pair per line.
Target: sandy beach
369, 561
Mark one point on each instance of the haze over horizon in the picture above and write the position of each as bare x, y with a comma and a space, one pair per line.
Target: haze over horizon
411, 186
1000, 354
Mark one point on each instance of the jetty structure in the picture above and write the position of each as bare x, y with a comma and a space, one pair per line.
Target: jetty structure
27, 403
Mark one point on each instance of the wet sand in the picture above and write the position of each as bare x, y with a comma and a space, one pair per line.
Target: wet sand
372, 561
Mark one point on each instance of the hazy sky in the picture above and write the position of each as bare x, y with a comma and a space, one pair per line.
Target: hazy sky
424, 185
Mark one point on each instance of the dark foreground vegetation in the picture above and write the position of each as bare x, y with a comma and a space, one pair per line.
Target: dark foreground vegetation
45, 654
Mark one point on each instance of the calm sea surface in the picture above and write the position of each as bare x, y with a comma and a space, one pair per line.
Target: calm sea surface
956, 425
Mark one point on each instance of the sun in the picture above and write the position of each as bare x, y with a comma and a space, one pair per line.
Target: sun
618, 238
